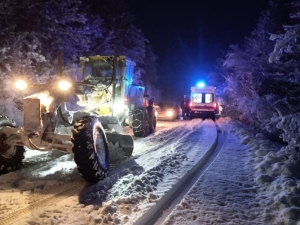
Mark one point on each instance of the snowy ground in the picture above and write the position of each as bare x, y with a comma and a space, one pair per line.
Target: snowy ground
250, 182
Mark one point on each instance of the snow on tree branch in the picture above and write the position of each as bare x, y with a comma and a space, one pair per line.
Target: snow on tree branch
290, 35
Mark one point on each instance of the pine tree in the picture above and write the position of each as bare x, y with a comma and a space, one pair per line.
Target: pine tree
246, 69
287, 42
122, 33
286, 56
31, 34
33, 31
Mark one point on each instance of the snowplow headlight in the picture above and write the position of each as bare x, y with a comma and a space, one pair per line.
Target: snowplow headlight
21, 85
46, 99
64, 85
119, 107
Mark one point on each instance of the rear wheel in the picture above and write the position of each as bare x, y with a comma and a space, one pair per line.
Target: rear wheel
140, 124
213, 117
192, 115
90, 149
10, 156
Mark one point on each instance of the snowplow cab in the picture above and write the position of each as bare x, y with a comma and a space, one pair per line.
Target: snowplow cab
96, 90
104, 89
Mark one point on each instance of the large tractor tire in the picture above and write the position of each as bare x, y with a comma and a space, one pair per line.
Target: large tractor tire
90, 149
10, 156
140, 123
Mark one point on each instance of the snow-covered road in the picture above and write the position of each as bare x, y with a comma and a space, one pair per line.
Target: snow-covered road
249, 181
50, 179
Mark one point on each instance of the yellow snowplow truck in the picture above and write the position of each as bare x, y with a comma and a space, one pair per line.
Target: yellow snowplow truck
84, 118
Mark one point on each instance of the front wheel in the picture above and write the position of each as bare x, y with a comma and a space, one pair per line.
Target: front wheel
10, 156
90, 149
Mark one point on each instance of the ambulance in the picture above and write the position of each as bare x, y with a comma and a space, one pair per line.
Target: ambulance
203, 102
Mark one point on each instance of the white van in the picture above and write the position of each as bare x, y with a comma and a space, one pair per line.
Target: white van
203, 102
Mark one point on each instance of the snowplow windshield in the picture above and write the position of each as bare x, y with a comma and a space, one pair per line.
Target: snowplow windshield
96, 69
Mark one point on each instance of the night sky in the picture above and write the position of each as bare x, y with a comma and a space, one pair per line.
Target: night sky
188, 36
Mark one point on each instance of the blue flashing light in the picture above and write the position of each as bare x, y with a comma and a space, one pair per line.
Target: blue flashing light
200, 84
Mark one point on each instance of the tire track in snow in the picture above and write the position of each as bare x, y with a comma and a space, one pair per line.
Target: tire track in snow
183, 147
69, 189
171, 203
66, 191
174, 148
165, 138
154, 174
168, 201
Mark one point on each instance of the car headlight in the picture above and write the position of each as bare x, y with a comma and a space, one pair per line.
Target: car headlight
169, 113
21, 85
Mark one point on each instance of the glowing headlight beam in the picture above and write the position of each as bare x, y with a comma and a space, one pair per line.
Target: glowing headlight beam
46, 100
119, 107
64, 85
21, 85
169, 113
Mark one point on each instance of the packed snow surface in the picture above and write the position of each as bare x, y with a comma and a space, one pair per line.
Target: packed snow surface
251, 181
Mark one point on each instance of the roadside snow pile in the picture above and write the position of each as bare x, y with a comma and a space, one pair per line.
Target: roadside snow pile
277, 174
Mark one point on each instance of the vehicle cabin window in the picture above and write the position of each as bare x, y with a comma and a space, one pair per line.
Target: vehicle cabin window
208, 98
166, 105
197, 97
203, 97
170, 105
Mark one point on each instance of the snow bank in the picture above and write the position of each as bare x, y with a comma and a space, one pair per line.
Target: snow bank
277, 174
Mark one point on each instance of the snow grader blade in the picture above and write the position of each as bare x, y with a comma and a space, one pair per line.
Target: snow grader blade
120, 146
